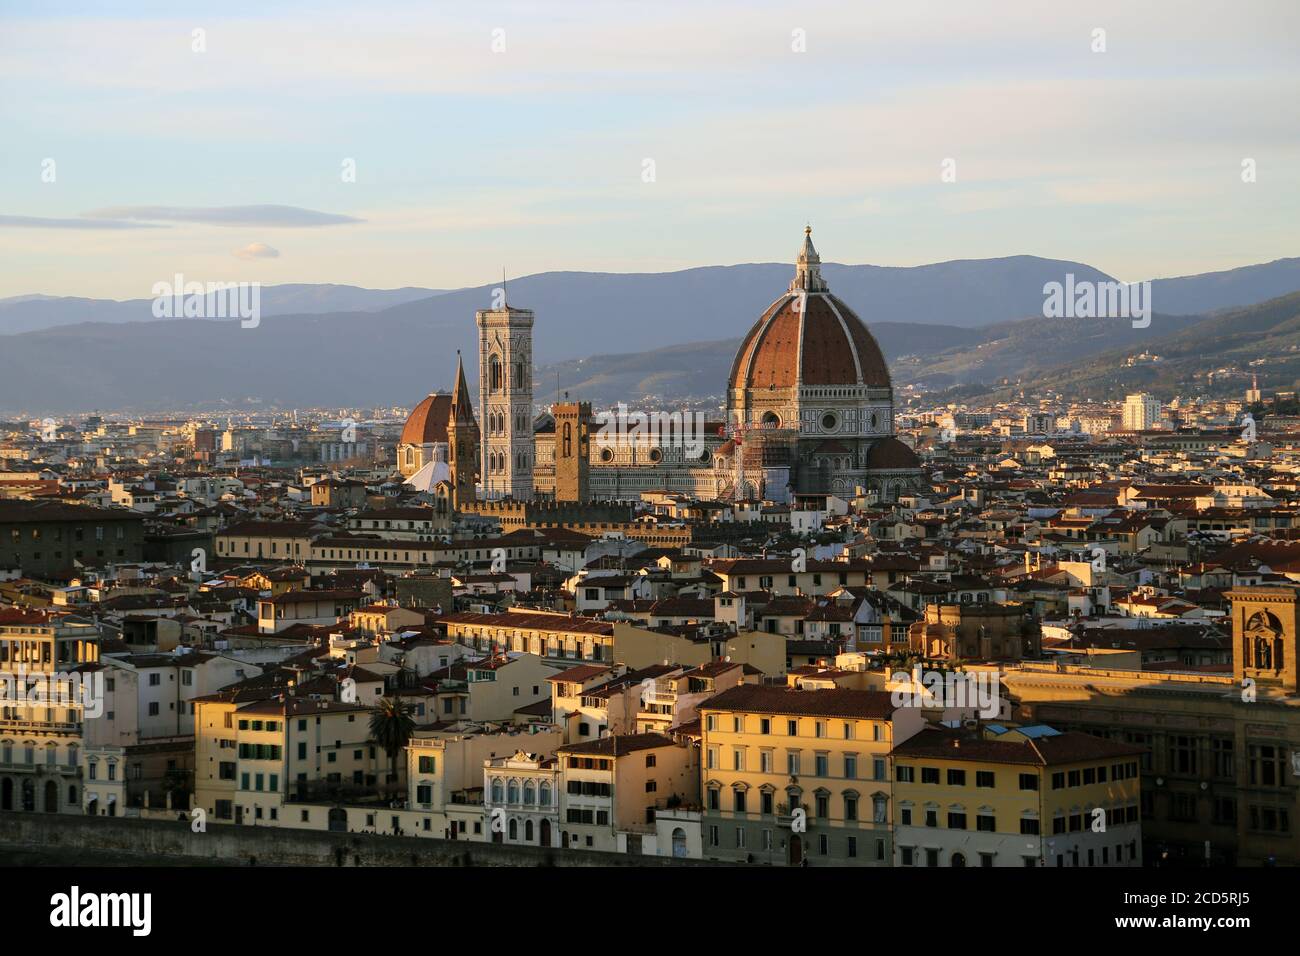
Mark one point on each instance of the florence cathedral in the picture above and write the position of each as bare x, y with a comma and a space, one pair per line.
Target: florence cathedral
810, 413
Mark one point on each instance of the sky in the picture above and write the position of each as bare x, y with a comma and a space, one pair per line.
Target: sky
435, 144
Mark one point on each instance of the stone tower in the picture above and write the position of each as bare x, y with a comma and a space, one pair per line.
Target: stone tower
1265, 622
463, 441
572, 451
505, 399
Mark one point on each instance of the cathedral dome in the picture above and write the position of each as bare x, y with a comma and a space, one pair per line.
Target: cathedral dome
430, 421
808, 337
427, 423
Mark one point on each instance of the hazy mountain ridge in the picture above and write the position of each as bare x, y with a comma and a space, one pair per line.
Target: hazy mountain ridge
635, 335
1230, 340
968, 293
34, 313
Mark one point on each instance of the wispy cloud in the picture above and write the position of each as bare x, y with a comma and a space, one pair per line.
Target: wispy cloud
266, 215
42, 222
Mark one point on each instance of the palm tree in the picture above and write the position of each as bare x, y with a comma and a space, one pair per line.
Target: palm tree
391, 726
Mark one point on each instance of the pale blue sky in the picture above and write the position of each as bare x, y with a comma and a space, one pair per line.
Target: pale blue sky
532, 158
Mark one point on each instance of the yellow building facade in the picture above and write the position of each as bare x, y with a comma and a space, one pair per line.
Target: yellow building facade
1015, 797
800, 777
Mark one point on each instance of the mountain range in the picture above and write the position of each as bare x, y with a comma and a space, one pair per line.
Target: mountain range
966, 325
30, 313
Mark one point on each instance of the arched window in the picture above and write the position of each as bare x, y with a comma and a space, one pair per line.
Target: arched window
568, 440
544, 795
7, 752
512, 792
494, 373
496, 791
51, 755
530, 794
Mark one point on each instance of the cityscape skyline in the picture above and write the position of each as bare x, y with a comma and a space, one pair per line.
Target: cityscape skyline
693, 442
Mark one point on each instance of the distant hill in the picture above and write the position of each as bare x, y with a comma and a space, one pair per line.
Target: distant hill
1224, 344
29, 313
967, 293
1029, 349
1211, 291
965, 324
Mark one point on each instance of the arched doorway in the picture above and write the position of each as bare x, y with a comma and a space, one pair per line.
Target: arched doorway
514, 830
959, 859
51, 797
564, 839
795, 855
528, 831
29, 796
92, 808
7, 794
338, 820
545, 833
679, 842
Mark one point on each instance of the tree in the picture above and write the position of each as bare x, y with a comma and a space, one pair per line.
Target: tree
391, 726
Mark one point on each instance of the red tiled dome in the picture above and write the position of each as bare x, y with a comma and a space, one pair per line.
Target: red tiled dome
815, 332
808, 337
427, 423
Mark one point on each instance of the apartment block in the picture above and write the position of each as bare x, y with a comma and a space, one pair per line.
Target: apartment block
1027, 796
800, 777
